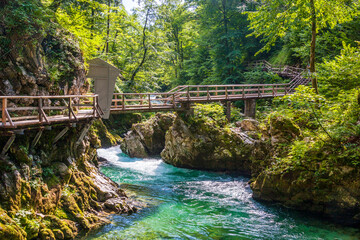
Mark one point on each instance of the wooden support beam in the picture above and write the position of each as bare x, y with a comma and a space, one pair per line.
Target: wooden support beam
9, 118
250, 108
8, 145
37, 138
60, 135
83, 133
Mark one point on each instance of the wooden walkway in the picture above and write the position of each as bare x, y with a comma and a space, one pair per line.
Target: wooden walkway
48, 110
177, 98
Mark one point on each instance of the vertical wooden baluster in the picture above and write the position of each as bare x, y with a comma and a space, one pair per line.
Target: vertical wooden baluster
123, 101
208, 94
94, 105
188, 93
40, 108
226, 93
243, 92
116, 98
216, 91
149, 101
4, 107
198, 90
173, 100
70, 106
233, 90
273, 91
258, 91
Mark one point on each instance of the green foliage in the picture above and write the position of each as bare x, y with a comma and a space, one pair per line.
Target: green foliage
211, 114
330, 127
342, 73
258, 76
274, 19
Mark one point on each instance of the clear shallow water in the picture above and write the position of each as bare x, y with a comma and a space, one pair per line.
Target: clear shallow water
190, 204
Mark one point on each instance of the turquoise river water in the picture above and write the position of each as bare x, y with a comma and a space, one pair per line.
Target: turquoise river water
190, 204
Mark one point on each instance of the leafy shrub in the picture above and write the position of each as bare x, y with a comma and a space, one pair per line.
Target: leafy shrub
342, 73
257, 76
209, 113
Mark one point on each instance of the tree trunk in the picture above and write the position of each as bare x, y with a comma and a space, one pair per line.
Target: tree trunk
313, 46
145, 49
108, 28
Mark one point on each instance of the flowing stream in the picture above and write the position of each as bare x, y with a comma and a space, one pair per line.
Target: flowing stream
190, 204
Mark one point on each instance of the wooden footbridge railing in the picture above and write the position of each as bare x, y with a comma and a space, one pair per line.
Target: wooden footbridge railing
176, 99
47, 110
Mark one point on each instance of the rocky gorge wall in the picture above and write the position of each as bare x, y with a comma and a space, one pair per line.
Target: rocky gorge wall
55, 190
315, 184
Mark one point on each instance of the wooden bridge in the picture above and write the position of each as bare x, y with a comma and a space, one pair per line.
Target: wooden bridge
49, 110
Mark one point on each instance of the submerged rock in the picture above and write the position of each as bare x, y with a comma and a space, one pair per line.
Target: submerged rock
147, 138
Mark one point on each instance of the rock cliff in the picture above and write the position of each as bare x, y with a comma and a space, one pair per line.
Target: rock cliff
55, 189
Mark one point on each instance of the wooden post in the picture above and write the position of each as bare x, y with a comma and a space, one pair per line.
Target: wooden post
94, 106
243, 92
70, 107
149, 98
4, 108
216, 91
226, 92
116, 98
233, 90
259, 91
250, 108
173, 97
40, 109
123, 101
198, 90
208, 94
273, 90
188, 93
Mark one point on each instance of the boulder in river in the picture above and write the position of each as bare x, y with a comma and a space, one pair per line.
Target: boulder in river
147, 138
205, 145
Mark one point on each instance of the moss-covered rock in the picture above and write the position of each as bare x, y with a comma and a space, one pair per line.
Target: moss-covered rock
334, 195
282, 129
9, 229
58, 193
147, 138
207, 146
100, 132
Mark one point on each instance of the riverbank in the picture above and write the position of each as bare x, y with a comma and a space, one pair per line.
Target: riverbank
185, 203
